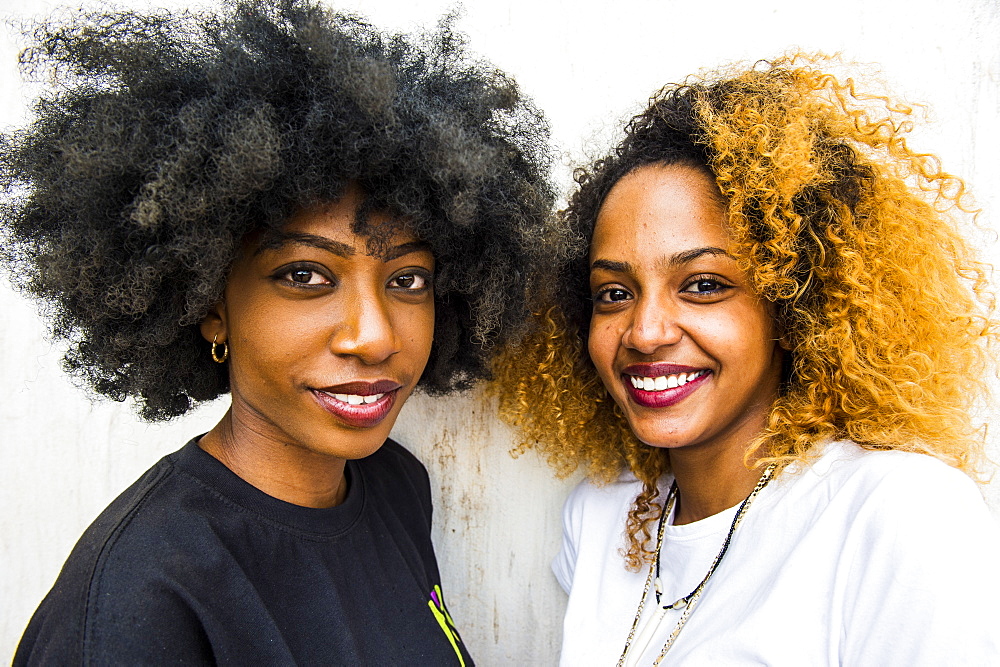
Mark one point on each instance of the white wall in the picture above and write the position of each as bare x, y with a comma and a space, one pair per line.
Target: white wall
63, 458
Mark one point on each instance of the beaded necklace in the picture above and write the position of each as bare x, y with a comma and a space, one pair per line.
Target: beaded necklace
688, 602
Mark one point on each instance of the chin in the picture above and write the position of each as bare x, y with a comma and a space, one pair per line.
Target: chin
655, 435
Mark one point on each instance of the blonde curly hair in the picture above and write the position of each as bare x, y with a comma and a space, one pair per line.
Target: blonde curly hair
858, 241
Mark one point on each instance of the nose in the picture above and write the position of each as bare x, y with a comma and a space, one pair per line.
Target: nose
654, 323
366, 330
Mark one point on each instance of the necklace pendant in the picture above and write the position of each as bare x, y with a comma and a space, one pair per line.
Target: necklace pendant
642, 641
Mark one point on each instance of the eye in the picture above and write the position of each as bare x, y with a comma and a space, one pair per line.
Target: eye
411, 281
706, 285
302, 275
611, 295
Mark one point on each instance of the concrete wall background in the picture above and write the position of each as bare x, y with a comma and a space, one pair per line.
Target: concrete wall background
588, 64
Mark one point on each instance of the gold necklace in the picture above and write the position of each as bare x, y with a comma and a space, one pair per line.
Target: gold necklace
688, 602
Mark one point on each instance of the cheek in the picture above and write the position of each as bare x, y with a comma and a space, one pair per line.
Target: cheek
265, 355
416, 326
272, 340
274, 332
602, 345
749, 333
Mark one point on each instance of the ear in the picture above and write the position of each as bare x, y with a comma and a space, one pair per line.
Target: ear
783, 342
213, 327
780, 331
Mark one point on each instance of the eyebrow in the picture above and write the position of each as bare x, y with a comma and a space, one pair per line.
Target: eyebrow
695, 253
609, 265
278, 240
676, 259
395, 252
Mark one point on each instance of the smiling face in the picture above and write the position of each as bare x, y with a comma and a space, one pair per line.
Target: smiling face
326, 342
687, 351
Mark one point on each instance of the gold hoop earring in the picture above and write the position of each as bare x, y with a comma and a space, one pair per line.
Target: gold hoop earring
215, 347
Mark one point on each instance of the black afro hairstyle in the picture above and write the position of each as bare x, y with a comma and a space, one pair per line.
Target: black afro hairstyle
164, 138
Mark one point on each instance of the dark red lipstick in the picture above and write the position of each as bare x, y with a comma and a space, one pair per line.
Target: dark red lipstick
662, 398
342, 401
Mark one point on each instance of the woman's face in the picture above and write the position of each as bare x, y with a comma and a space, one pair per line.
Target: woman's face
682, 344
326, 341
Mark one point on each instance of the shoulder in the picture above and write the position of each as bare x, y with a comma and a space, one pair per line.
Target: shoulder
169, 512
137, 510
896, 500
591, 501
101, 591
594, 518
594, 514
919, 550
894, 477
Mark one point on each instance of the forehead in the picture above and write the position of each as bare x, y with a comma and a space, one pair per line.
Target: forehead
661, 209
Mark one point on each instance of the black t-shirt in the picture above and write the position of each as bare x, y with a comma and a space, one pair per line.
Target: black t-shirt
192, 565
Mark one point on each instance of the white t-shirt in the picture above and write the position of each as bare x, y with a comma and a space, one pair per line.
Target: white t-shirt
861, 558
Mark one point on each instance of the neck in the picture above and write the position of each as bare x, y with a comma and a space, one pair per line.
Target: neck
281, 470
709, 482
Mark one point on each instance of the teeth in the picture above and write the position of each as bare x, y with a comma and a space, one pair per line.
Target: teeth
355, 399
664, 381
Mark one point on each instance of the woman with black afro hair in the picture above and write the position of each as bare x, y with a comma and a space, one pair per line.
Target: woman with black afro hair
285, 204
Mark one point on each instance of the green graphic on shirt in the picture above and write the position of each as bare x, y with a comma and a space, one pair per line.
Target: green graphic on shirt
436, 603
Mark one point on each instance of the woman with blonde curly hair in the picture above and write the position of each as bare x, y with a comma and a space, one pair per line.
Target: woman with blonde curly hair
767, 357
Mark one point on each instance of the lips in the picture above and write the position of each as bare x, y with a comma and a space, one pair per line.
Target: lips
662, 385
359, 404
